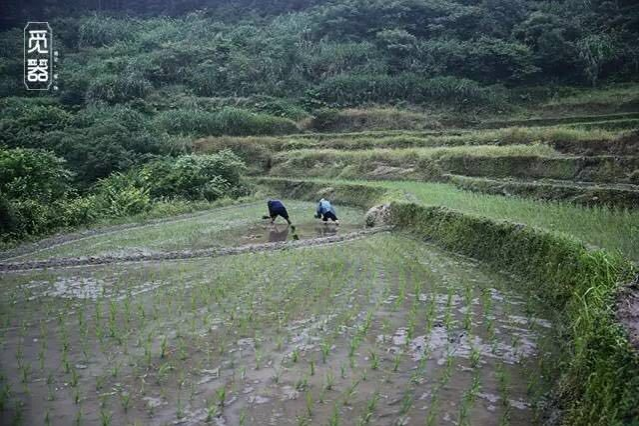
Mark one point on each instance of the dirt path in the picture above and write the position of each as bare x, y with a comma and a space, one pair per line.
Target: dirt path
184, 254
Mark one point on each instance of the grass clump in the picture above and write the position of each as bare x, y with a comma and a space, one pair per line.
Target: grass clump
227, 121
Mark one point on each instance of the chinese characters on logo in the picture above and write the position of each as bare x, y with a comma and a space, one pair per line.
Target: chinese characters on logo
38, 56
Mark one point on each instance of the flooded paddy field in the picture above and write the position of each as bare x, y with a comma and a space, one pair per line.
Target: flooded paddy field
223, 227
381, 330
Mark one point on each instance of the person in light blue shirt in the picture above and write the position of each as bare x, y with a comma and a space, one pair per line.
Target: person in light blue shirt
326, 211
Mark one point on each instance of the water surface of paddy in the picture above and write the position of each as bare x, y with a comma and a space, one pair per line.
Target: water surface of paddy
383, 328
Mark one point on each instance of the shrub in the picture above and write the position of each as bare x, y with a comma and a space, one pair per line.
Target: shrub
99, 31
116, 89
23, 123
228, 121
33, 174
354, 90
194, 177
355, 120
122, 195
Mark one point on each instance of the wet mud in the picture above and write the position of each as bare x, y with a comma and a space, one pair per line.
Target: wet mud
379, 330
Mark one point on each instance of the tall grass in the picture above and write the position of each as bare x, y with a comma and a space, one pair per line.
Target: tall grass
615, 230
227, 121
410, 139
413, 153
612, 229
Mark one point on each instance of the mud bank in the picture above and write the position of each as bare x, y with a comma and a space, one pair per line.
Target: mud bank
599, 381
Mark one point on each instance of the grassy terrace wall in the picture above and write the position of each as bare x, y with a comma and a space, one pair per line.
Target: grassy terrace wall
599, 382
591, 169
565, 191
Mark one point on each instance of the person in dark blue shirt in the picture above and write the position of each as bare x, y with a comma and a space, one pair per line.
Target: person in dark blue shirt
276, 208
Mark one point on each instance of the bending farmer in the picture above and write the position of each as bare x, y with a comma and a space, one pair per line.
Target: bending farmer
275, 209
326, 211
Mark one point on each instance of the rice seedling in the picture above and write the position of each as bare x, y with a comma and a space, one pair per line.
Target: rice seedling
432, 415
330, 381
220, 394
303, 421
374, 360
369, 412
125, 400
475, 357
334, 420
309, 403
396, 361
325, 348
106, 415
163, 347
302, 384
406, 403
179, 408
349, 393
25, 372
5, 396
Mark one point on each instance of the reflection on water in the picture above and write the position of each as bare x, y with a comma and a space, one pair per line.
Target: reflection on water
279, 232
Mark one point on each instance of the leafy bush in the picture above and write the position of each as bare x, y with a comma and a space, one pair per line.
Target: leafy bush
354, 90
486, 59
116, 89
122, 195
23, 123
100, 31
228, 121
106, 139
194, 177
33, 174
355, 120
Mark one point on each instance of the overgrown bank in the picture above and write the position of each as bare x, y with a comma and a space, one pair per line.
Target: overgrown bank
599, 377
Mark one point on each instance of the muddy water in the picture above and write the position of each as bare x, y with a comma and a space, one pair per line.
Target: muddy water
218, 228
270, 233
383, 331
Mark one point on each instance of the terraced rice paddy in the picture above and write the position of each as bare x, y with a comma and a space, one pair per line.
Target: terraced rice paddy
381, 330
230, 226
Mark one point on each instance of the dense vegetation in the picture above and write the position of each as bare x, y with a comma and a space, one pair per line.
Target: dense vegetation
138, 81
36, 195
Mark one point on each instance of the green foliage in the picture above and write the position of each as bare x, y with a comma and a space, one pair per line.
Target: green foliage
353, 90
121, 195
33, 174
98, 31
228, 121
595, 50
486, 59
194, 177
36, 198
25, 123
117, 89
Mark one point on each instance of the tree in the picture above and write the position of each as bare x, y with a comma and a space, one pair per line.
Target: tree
595, 50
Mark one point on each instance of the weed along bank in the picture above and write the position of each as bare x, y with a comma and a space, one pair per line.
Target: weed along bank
319, 213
